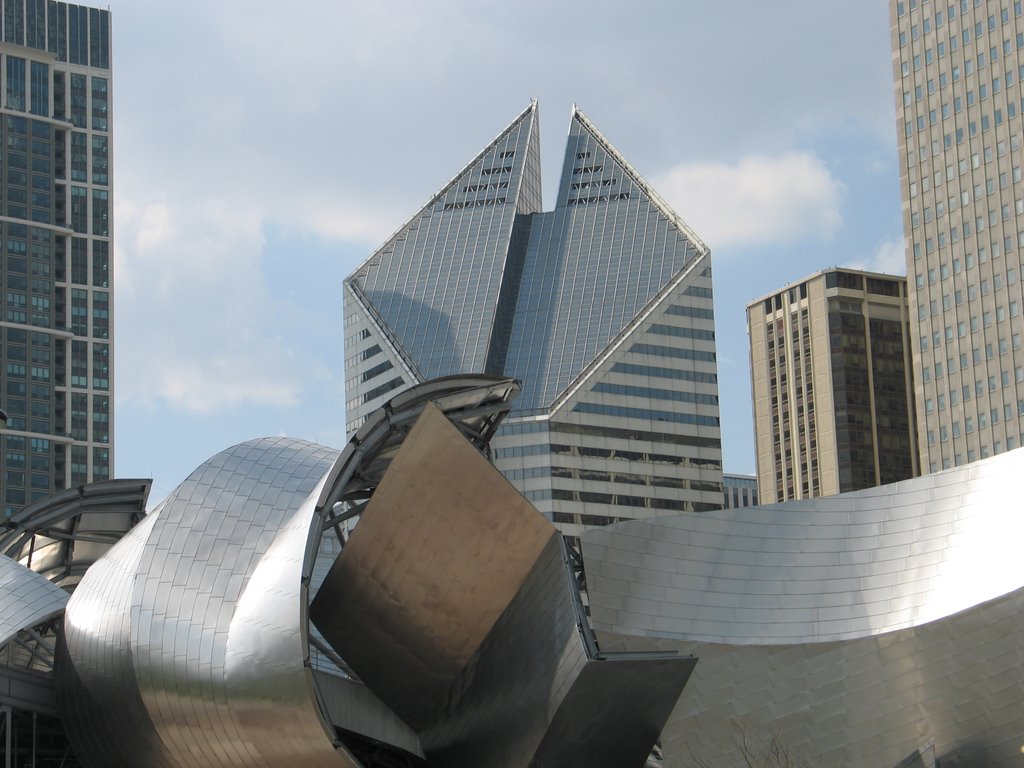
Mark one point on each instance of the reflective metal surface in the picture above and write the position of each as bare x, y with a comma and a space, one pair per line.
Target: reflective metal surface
100, 703
26, 599
453, 600
442, 548
186, 636
449, 628
858, 626
30, 611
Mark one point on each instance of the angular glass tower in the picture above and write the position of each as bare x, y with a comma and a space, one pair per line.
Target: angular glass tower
601, 307
57, 382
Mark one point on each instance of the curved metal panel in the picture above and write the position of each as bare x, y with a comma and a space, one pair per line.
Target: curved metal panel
183, 645
268, 681
205, 546
26, 599
454, 601
835, 568
98, 694
353, 708
397, 605
854, 628
957, 682
614, 711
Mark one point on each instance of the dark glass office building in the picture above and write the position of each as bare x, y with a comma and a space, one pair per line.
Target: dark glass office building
55, 231
602, 308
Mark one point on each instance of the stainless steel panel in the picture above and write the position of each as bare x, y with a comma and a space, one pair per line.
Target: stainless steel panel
614, 712
183, 643
900, 626
453, 600
187, 643
26, 599
534, 695
441, 549
100, 706
351, 706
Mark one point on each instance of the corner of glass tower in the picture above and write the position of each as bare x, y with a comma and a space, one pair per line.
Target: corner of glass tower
423, 304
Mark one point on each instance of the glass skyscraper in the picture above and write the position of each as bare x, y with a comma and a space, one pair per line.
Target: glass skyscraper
958, 66
601, 307
56, 232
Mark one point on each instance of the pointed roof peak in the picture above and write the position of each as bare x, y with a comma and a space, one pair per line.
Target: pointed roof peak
528, 114
584, 122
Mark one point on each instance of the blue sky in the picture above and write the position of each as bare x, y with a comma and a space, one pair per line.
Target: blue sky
263, 150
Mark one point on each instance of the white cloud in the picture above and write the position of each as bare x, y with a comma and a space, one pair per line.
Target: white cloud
889, 257
207, 383
205, 330
760, 200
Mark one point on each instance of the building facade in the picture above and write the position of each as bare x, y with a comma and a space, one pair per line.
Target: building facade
832, 387
957, 71
601, 307
57, 370
739, 491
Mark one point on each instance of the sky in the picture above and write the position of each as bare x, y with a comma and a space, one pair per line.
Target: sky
263, 149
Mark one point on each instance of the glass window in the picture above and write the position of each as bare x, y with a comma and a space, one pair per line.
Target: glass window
40, 89
15, 83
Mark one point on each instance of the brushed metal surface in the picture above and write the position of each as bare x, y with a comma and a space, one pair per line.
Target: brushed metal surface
353, 707
451, 631
500, 708
858, 626
453, 600
193, 621
98, 695
26, 599
533, 695
441, 549
614, 711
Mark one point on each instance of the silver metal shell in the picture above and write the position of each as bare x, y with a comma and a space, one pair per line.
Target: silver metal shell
858, 627
195, 617
449, 630
455, 602
26, 599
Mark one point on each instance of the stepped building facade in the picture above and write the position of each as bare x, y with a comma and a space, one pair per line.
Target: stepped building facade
602, 308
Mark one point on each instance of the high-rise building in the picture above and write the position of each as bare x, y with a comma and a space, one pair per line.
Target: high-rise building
831, 379
957, 71
601, 307
56, 231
